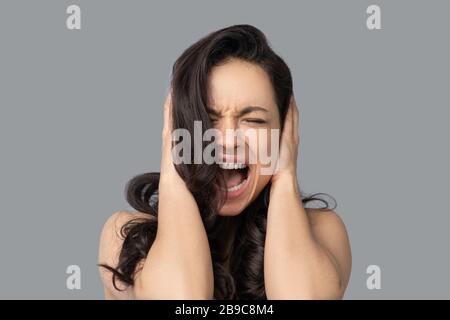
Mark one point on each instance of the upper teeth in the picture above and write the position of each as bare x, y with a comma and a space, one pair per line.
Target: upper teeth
229, 166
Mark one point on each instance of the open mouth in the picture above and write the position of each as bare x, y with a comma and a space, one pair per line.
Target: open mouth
236, 177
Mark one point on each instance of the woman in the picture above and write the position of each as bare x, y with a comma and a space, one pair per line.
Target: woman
221, 230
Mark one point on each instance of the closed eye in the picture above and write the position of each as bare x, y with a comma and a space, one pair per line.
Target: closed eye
259, 121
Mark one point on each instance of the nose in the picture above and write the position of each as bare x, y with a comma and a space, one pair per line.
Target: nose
230, 141
227, 127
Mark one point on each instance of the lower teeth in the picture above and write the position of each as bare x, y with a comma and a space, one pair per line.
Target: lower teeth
238, 186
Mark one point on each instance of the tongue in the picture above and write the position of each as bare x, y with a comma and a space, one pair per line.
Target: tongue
233, 177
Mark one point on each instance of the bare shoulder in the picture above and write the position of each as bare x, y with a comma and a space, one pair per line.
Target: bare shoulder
328, 226
321, 217
329, 230
111, 241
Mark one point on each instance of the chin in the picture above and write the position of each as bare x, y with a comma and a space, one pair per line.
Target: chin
231, 209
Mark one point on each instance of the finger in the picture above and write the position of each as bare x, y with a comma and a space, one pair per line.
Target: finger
168, 112
293, 115
291, 119
287, 130
167, 127
296, 118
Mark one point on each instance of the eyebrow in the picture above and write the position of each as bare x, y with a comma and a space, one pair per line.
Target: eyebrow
244, 111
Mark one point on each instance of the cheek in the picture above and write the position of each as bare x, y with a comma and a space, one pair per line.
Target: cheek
263, 146
261, 141
263, 180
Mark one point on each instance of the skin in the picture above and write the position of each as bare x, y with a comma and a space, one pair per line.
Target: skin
233, 87
307, 253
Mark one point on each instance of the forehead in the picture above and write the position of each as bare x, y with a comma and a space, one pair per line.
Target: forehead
238, 84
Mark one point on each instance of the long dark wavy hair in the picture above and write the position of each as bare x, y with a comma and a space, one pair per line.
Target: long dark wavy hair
244, 278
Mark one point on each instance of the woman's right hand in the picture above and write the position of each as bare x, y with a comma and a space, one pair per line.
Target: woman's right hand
178, 264
168, 172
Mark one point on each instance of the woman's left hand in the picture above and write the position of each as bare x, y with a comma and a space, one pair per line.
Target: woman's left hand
286, 167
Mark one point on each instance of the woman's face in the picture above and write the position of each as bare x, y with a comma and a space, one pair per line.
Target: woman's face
241, 97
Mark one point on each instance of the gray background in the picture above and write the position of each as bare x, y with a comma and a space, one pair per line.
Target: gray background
81, 113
